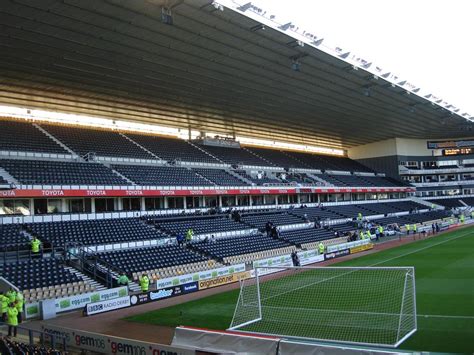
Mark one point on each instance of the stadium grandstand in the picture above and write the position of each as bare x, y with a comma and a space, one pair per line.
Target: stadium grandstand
199, 138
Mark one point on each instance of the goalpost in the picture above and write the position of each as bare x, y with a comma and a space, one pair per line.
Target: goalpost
357, 305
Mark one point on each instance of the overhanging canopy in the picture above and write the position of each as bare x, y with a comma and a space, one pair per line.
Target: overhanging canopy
211, 70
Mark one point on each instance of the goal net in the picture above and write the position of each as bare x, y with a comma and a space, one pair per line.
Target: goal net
361, 305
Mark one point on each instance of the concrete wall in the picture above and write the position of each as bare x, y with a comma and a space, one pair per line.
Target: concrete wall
377, 149
390, 147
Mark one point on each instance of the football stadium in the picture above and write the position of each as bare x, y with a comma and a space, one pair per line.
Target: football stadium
199, 177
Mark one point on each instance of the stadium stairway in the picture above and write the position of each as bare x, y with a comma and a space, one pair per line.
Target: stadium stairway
240, 177
50, 136
317, 178
9, 178
205, 152
202, 176
258, 156
97, 286
426, 203
131, 182
140, 146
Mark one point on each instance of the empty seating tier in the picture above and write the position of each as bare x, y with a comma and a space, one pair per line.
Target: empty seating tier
235, 156
151, 258
303, 236
278, 158
220, 177
263, 179
259, 219
38, 273
316, 213
171, 149
43, 172
12, 239
199, 225
104, 143
449, 202
24, 137
161, 175
225, 247
94, 232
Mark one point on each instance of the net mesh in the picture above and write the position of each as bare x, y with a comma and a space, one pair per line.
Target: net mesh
357, 305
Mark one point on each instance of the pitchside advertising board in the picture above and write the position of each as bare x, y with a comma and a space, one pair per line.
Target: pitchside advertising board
336, 254
104, 344
106, 306
224, 280
199, 276
78, 301
163, 293
306, 257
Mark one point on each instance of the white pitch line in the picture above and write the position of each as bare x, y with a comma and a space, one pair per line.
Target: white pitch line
381, 262
424, 248
443, 316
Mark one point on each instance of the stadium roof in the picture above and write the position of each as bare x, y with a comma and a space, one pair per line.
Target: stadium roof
214, 69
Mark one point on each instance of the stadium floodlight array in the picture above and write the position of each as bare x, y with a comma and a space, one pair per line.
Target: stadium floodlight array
358, 305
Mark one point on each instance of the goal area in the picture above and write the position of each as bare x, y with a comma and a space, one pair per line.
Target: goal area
358, 305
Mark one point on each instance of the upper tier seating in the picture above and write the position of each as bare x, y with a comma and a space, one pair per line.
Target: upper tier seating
94, 232
24, 137
278, 158
36, 273
104, 143
42, 172
12, 239
150, 258
161, 175
343, 164
278, 218
326, 162
263, 180
220, 177
199, 225
171, 149
225, 247
235, 156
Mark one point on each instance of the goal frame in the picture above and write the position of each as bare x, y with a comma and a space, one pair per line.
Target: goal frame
409, 269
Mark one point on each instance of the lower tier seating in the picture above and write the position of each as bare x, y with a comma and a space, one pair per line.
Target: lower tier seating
302, 236
11, 347
225, 247
448, 202
199, 225
12, 239
259, 219
38, 273
94, 232
150, 258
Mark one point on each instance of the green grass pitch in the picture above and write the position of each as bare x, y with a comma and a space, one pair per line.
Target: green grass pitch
444, 268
